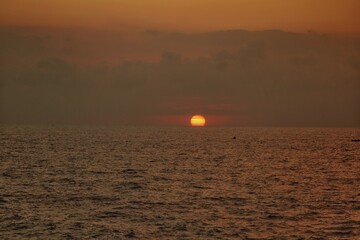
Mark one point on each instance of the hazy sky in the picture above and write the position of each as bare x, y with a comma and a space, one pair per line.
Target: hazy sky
159, 62
187, 15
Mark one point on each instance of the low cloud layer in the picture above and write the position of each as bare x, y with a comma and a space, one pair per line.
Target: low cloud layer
264, 78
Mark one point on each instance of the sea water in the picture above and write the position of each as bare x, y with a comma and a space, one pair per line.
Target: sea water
179, 183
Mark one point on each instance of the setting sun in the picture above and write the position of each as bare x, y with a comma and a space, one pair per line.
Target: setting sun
197, 121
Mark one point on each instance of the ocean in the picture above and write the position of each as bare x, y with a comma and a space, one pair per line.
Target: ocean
179, 183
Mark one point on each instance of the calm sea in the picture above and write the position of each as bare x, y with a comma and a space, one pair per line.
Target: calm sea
179, 183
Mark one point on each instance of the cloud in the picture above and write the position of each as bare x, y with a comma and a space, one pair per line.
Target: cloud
21, 44
255, 78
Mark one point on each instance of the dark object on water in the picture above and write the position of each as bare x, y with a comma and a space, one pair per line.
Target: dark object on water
234, 137
355, 140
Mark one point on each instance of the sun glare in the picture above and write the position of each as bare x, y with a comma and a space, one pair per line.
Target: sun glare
197, 121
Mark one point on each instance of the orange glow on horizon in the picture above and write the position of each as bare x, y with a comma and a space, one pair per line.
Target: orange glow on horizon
186, 15
197, 121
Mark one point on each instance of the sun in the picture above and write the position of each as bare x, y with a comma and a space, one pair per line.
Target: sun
197, 121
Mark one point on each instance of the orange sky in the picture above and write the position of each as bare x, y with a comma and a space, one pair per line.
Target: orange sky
330, 16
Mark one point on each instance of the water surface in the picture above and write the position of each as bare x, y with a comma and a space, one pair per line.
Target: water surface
179, 183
